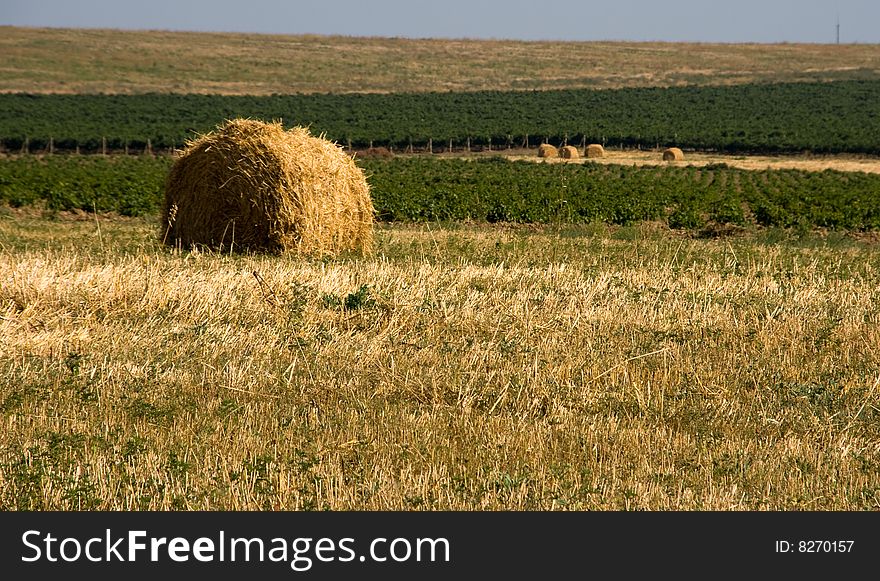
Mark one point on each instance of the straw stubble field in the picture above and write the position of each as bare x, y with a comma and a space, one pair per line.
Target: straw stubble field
466, 367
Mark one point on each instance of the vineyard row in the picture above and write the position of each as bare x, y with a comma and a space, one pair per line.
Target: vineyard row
818, 117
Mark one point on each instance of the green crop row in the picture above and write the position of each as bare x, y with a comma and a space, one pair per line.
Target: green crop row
820, 117
128, 185
497, 190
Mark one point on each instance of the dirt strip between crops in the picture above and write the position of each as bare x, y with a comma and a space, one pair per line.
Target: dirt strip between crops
847, 163
805, 162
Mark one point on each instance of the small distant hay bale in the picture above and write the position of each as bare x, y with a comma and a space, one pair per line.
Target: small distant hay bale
547, 150
673, 154
250, 185
375, 153
594, 150
569, 152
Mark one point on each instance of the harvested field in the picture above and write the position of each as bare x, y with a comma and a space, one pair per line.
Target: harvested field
465, 368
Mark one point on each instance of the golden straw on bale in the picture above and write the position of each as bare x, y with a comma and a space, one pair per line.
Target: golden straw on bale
547, 150
595, 150
673, 154
569, 152
250, 185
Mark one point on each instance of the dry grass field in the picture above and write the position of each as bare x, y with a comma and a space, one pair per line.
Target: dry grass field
111, 61
460, 367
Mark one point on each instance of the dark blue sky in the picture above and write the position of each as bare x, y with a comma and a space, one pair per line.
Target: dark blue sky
670, 20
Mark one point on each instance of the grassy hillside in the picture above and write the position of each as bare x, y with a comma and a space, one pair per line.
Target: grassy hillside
114, 61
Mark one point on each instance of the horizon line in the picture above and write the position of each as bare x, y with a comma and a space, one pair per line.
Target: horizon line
831, 42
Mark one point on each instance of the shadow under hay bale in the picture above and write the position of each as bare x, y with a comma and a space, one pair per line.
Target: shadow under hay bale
569, 152
594, 150
253, 186
547, 150
673, 154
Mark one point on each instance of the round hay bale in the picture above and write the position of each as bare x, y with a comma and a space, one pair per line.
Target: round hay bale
250, 185
375, 153
569, 152
547, 150
673, 154
594, 150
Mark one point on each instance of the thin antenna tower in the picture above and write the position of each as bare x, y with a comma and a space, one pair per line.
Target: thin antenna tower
838, 28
